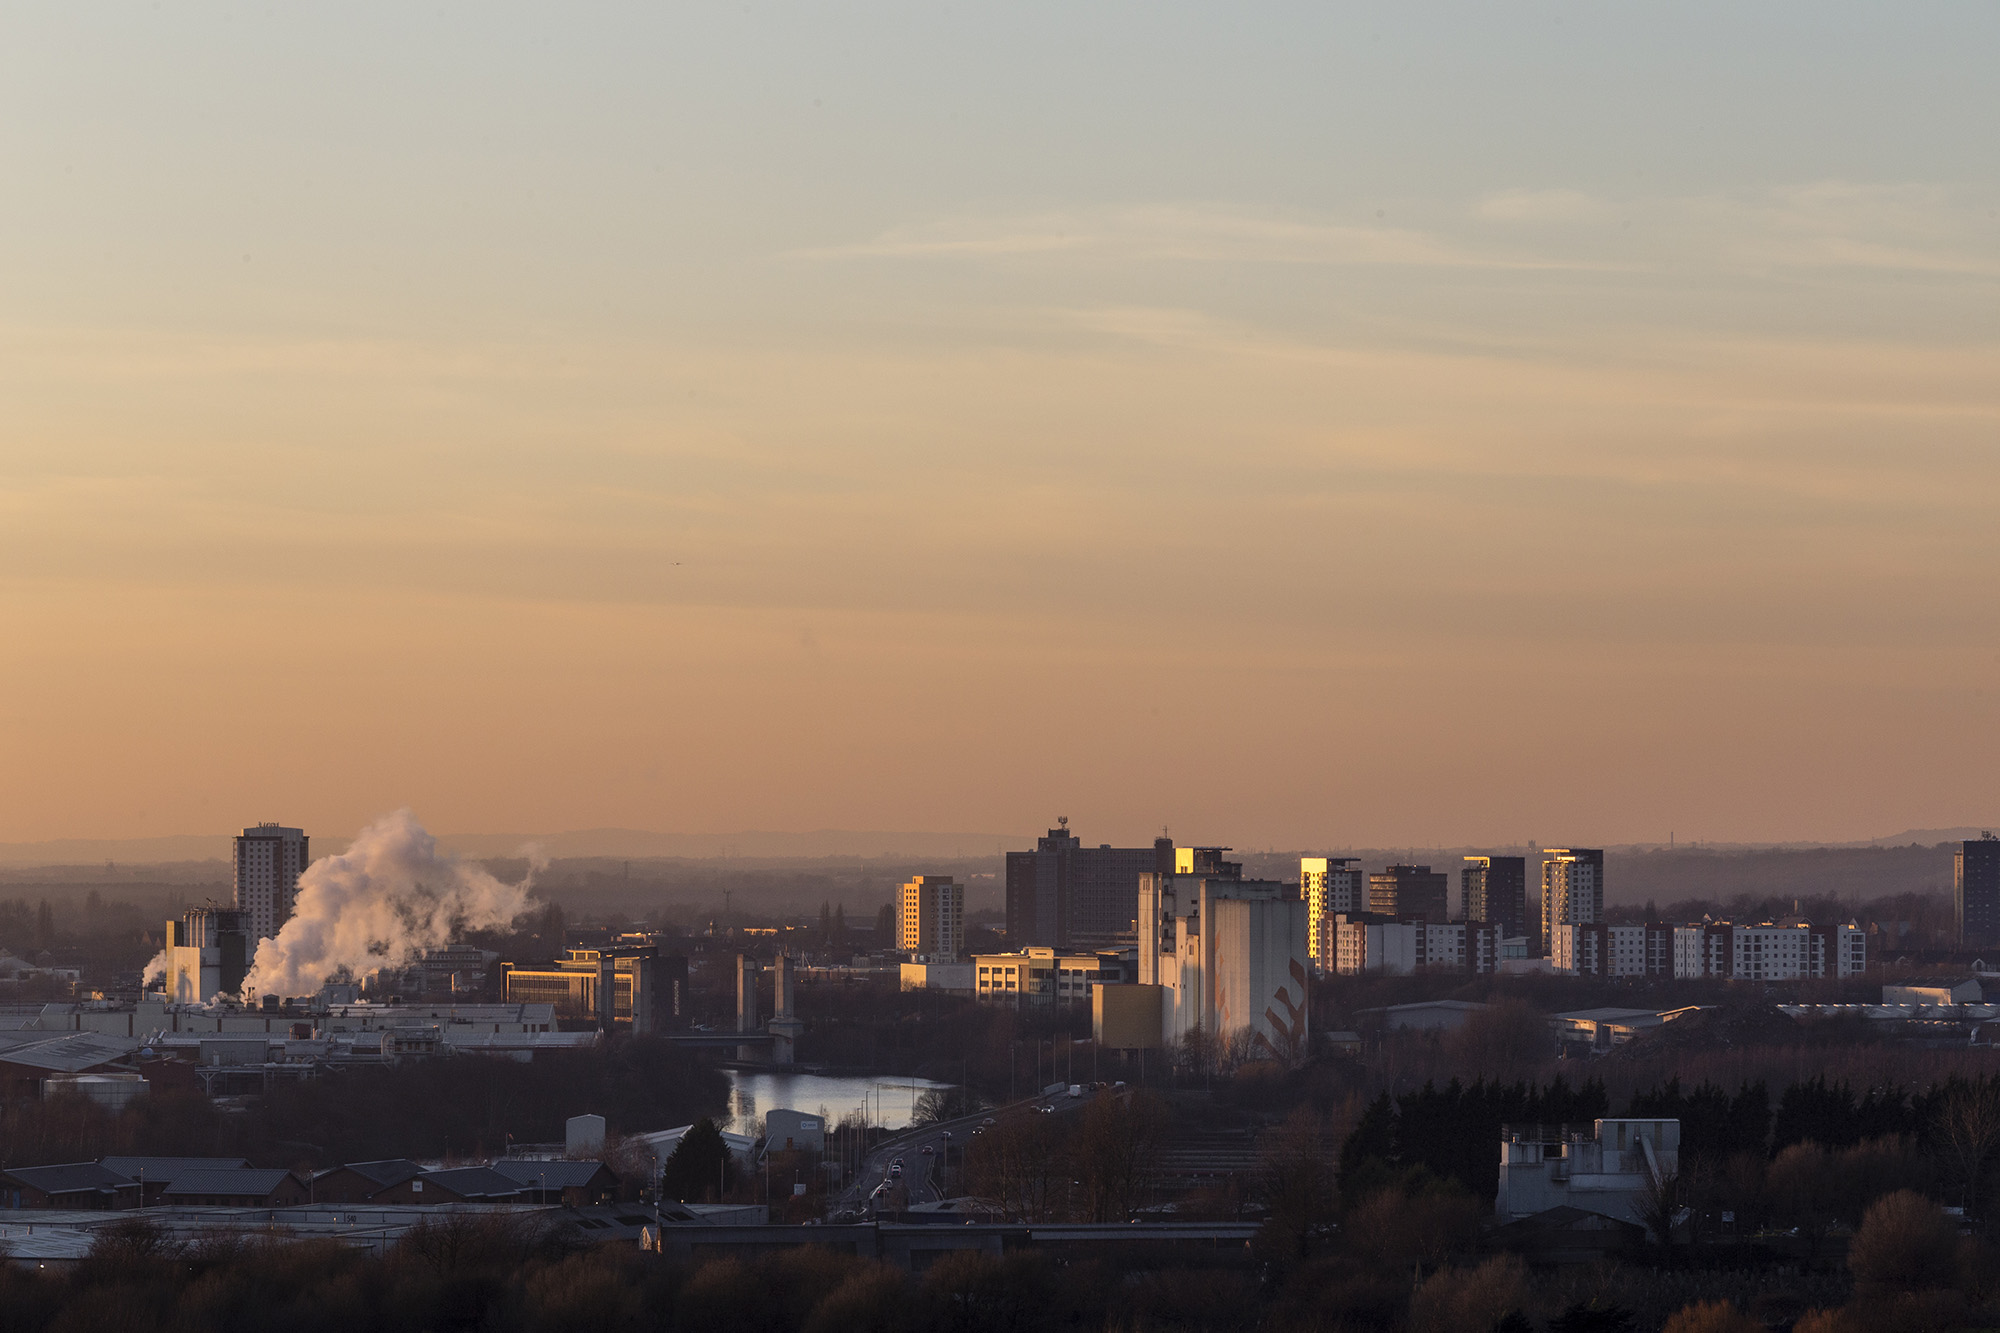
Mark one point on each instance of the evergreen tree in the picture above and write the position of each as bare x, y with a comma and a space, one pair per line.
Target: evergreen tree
700, 1166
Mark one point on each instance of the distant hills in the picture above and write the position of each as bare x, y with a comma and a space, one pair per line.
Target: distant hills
1915, 860
596, 843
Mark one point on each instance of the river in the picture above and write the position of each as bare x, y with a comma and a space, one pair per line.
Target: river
888, 1100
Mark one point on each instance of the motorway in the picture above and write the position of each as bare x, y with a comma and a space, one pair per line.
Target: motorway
923, 1178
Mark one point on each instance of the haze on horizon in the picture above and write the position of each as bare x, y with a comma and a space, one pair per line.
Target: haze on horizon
1414, 425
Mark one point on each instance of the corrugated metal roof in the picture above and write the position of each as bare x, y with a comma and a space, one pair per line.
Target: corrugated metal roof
71, 1053
34, 1242
241, 1181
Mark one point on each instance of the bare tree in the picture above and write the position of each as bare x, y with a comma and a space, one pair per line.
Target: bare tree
1297, 1177
1116, 1141
1662, 1196
1022, 1165
1968, 1131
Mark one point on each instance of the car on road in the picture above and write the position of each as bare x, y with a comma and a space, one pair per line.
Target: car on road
1046, 1110
987, 1121
928, 1150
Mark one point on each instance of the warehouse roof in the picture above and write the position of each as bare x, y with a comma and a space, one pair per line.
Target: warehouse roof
163, 1169
237, 1182
71, 1053
548, 1174
70, 1178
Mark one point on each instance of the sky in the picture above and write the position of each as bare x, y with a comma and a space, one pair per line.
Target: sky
1289, 424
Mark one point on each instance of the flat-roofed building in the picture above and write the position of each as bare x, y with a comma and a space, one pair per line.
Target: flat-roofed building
1769, 950
631, 988
1065, 895
269, 860
1975, 892
930, 919
1572, 890
1604, 950
1330, 885
1406, 891
1230, 954
1365, 943
208, 954
1037, 976
1495, 889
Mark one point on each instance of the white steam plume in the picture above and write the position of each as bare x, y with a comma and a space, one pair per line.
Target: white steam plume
381, 903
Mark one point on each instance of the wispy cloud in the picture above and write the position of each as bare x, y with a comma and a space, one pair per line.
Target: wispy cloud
1179, 233
1820, 224
1823, 224
1543, 206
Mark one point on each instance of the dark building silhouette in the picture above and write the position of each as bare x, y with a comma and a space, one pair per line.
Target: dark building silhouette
1975, 892
1068, 896
1495, 889
1410, 891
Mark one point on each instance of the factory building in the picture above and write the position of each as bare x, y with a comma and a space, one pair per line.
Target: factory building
208, 954
1230, 955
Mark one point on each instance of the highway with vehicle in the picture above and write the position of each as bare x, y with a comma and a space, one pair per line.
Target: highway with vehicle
920, 1164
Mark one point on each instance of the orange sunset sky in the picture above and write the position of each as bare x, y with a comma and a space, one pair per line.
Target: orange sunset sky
1295, 424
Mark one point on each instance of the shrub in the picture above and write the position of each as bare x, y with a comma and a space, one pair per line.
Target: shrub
1905, 1244
1711, 1317
1457, 1299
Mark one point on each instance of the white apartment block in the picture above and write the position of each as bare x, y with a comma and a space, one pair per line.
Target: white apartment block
269, 860
1402, 947
1331, 886
1769, 951
1605, 950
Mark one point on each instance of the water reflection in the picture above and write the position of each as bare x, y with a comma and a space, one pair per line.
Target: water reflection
887, 1101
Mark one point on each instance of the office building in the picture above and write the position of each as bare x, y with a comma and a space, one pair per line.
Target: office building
952, 978
1410, 891
1039, 976
269, 860
1495, 889
1572, 890
1230, 955
1975, 892
1064, 895
208, 954
1330, 885
632, 989
930, 919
